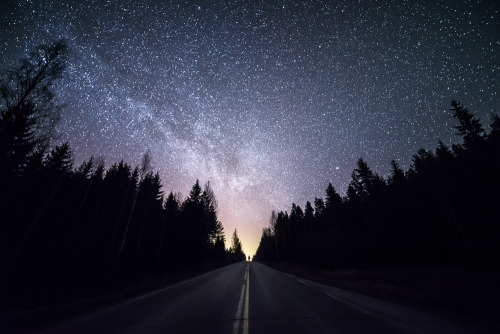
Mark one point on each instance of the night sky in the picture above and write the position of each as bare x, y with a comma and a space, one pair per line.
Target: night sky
267, 100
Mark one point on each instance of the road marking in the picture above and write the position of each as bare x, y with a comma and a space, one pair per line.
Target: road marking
238, 312
359, 307
245, 294
156, 292
247, 297
303, 282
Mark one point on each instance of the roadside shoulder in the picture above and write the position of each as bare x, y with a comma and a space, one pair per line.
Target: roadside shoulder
471, 296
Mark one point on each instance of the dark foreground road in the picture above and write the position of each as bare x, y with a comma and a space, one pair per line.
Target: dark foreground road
253, 298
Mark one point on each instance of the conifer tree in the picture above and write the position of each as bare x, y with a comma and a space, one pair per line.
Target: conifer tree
333, 199
469, 127
308, 216
60, 160
27, 112
236, 248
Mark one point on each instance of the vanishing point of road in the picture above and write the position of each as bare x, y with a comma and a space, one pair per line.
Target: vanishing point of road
249, 297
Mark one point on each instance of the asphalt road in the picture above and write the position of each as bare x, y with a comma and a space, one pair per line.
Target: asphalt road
253, 298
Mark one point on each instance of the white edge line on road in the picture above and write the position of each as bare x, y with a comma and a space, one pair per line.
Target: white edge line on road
166, 288
303, 282
126, 302
361, 308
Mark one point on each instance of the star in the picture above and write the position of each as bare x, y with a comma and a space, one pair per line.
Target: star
269, 101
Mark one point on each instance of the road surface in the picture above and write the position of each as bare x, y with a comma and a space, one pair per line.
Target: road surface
249, 297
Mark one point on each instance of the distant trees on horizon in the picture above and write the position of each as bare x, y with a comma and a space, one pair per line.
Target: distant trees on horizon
443, 211
236, 249
65, 228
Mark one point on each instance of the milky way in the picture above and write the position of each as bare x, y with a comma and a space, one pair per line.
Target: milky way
269, 100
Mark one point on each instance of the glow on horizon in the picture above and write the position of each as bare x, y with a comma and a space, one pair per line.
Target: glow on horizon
268, 102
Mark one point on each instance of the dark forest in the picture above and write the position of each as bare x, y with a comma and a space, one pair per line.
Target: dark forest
69, 231
442, 211
88, 226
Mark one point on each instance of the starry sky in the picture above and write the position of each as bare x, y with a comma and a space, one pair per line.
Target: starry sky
268, 100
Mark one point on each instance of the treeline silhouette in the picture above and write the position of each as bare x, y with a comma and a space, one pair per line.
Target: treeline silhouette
443, 211
64, 228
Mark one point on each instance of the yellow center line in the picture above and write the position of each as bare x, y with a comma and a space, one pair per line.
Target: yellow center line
243, 296
238, 312
247, 297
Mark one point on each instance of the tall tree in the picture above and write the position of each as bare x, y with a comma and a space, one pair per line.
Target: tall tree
364, 182
237, 248
397, 174
209, 203
195, 194
319, 207
28, 114
333, 199
308, 216
273, 232
194, 227
60, 160
469, 127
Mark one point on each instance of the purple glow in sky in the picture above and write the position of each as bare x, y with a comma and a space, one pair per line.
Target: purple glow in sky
269, 100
